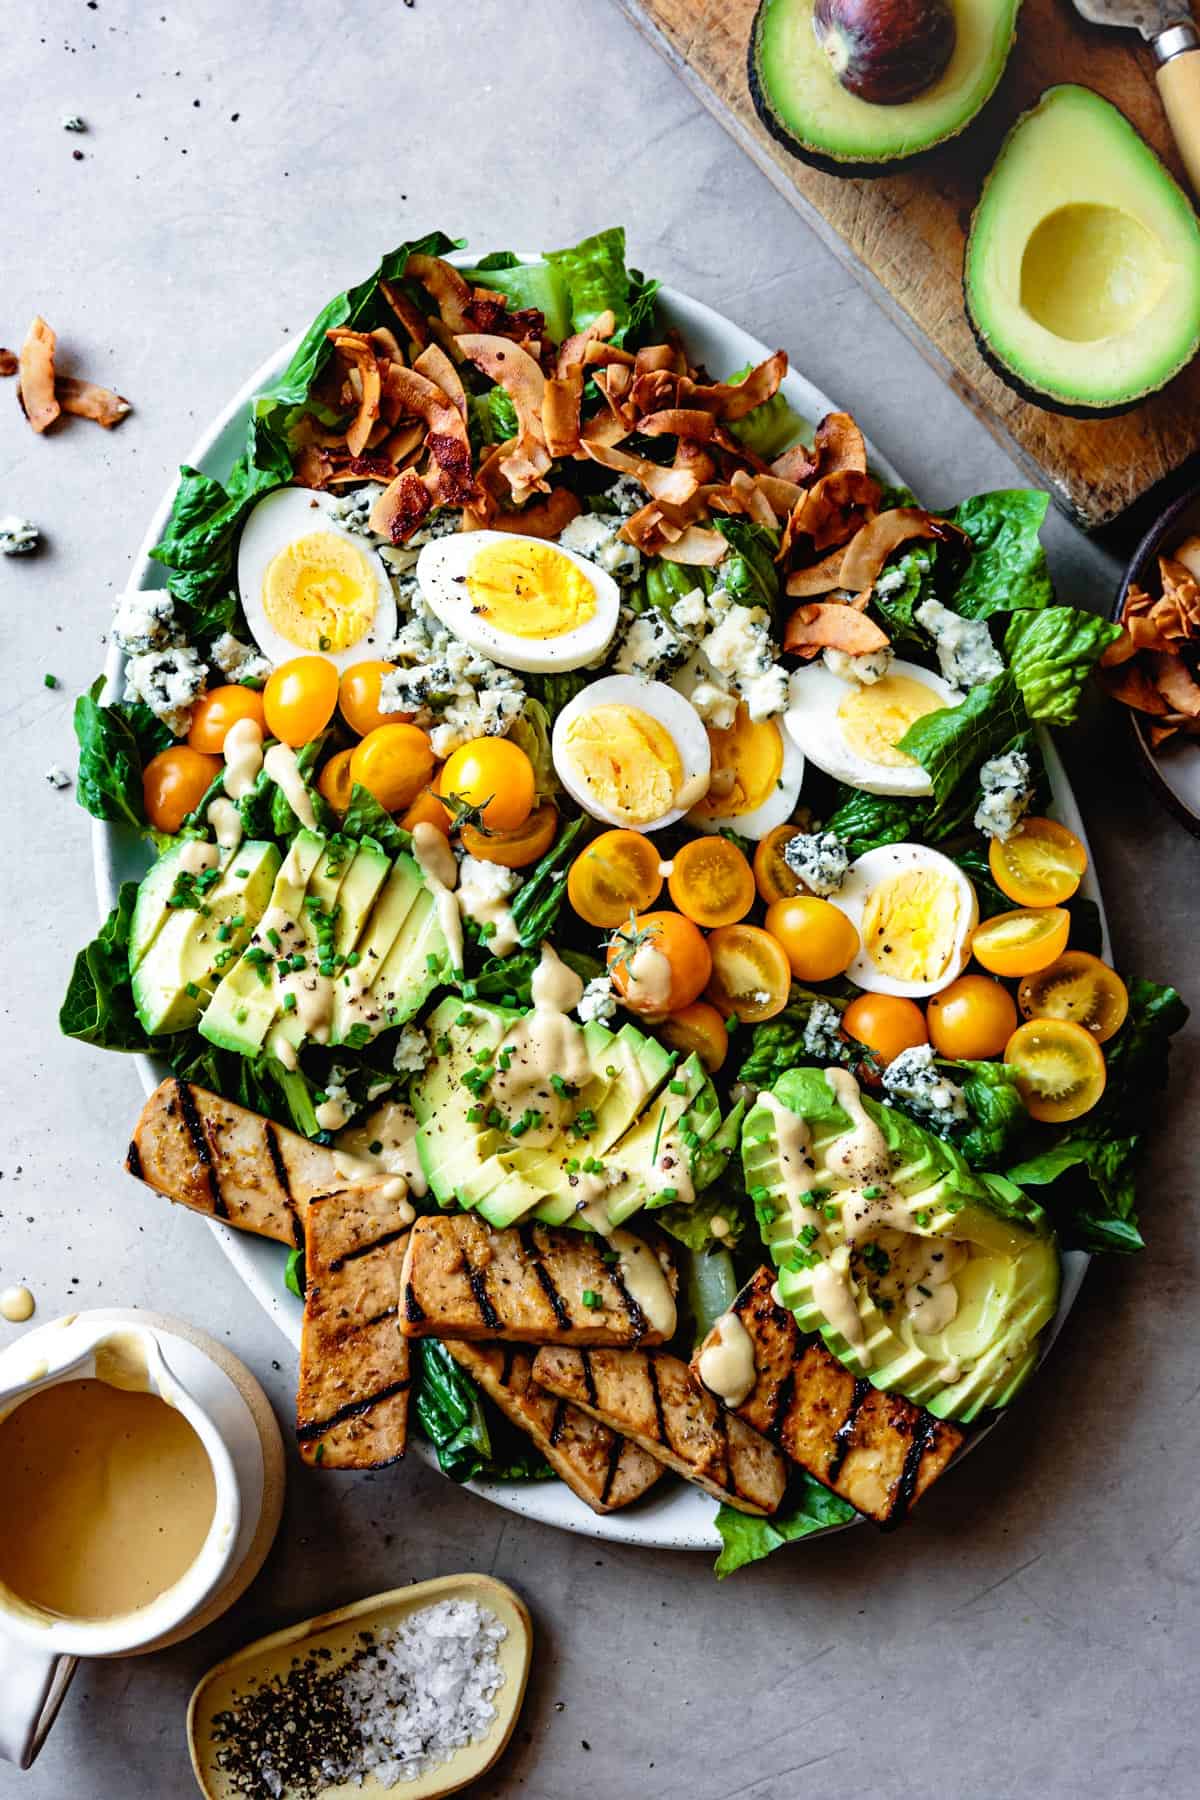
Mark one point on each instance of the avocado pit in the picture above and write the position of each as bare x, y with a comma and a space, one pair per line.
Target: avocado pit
886, 51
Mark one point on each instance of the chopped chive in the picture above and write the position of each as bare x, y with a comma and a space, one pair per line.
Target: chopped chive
289, 1003
679, 1087
51, 681
224, 933
192, 991
591, 1299
662, 1113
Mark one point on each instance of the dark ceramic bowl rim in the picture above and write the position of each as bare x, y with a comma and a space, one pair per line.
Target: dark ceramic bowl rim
1147, 550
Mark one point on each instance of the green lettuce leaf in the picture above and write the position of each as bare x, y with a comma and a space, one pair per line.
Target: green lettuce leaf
365, 818
597, 280
470, 1437
865, 821
808, 1508
1051, 654
115, 743
692, 1224
997, 1111
531, 731
538, 284
772, 427
906, 582
748, 571
98, 1005
950, 744
1006, 566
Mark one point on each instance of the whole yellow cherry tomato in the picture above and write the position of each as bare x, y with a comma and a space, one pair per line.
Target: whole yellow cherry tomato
493, 776
299, 699
174, 782
393, 763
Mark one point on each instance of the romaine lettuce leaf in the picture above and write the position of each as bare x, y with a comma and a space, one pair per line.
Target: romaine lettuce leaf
1006, 567
772, 427
748, 571
98, 1005
1051, 654
903, 586
470, 1437
115, 743
808, 1508
865, 821
951, 743
597, 281
365, 818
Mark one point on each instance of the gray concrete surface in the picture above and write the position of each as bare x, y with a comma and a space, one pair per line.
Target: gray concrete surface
1034, 1630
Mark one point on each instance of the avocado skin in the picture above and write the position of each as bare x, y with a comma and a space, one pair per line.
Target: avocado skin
833, 165
1012, 378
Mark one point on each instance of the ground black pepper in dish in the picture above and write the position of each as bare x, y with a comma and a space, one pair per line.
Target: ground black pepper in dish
294, 1734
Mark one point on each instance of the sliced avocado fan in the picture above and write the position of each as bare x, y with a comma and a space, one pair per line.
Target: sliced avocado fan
941, 1224
1082, 268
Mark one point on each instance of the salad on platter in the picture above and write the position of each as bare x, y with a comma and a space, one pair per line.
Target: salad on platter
608, 919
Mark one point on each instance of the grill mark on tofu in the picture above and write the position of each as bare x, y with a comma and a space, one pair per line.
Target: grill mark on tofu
478, 1283
650, 1398
133, 1162
614, 1459
412, 1306
637, 1317
354, 1409
560, 1419
558, 1305
877, 1450
199, 1137
389, 1237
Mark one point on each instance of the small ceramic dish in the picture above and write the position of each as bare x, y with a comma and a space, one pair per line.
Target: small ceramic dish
1174, 770
340, 1632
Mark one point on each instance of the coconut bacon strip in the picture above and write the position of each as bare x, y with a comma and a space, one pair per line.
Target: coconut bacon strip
352, 1399
876, 1450
651, 1399
605, 1470
88, 400
36, 368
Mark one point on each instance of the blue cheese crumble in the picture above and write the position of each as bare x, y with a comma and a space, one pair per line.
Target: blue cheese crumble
1007, 783
448, 687
732, 660
168, 681
913, 1078
823, 1039
411, 1054
966, 654
818, 859
18, 537
57, 777
597, 537
237, 660
145, 621
649, 647
867, 668
597, 1003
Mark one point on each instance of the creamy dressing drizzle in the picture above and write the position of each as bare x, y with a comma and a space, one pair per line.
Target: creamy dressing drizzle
196, 856
283, 769
243, 754
648, 980
796, 1164
226, 822
16, 1305
543, 1043
435, 859
393, 1126
726, 1364
645, 1280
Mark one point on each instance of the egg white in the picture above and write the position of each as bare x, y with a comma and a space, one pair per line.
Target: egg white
866, 874
775, 810
812, 720
675, 714
442, 570
277, 521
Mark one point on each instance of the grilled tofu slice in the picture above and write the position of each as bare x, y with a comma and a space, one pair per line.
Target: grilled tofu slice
462, 1279
352, 1402
604, 1469
877, 1450
652, 1399
229, 1163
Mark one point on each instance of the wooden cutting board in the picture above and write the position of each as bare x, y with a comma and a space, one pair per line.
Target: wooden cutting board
902, 235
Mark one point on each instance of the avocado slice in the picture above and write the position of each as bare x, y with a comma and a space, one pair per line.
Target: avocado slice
985, 1238
245, 1003
181, 964
1082, 267
800, 100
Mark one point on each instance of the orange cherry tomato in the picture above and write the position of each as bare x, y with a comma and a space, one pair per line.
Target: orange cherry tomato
818, 940
174, 782
494, 775
299, 699
711, 882
750, 974
698, 1030
659, 963
358, 697
885, 1023
514, 849
336, 780
773, 878
616, 875
393, 762
1080, 988
1040, 863
1022, 942
972, 1019
427, 809
218, 709
1059, 1067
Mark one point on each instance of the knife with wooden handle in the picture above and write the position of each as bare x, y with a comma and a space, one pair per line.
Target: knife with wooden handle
1171, 33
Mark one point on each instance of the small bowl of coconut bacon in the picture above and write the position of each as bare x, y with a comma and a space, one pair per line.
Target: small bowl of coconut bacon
417, 1690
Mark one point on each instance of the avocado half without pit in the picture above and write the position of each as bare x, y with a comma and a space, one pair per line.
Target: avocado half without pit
1082, 267
857, 86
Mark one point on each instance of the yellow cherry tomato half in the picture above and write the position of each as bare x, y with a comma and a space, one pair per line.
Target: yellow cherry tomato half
427, 809
698, 1030
1022, 942
711, 882
358, 697
336, 780
616, 875
750, 974
1059, 1067
175, 782
773, 878
393, 762
818, 940
659, 963
1040, 863
218, 709
513, 849
1080, 988
494, 775
299, 699
885, 1023
973, 1018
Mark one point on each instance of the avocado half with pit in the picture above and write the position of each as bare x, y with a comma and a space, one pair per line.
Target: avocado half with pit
1082, 267
800, 97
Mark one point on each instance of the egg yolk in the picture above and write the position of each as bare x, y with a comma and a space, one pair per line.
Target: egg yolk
874, 718
746, 763
912, 925
529, 590
320, 592
626, 760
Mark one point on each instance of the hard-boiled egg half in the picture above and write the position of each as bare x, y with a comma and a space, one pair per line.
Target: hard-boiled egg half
851, 729
756, 776
521, 601
632, 752
308, 584
914, 911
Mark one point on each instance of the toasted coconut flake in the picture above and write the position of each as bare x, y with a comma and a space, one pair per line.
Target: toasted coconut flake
445, 286
818, 578
655, 390
1180, 598
834, 508
8, 362
561, 402
436, 366
865, 555
733, 400
1121, 650
599, 355
87, 400
799, 464
780, 495
829, 625
1177, 685
697, 547
386, 344
752, 500
36, 365
692, 456
679, 421
542, 518
358, 353
660, 356
447, 432
404, 442
573, 350
1132, 686
408, 313
522, 380
839, 445
674, 486
400, 508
